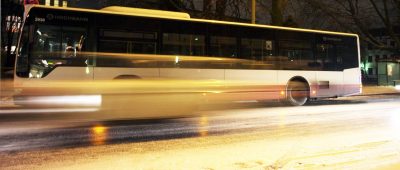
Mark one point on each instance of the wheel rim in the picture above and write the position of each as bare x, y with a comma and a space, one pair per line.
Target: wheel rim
297, 93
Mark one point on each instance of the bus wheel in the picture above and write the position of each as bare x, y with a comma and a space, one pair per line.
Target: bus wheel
297, 93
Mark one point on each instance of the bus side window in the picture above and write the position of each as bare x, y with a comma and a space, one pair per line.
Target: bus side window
296, 55
326, 55
126, 41
223, 46
259, 53
183, 44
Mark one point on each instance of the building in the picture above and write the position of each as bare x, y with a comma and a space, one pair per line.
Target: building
381, 66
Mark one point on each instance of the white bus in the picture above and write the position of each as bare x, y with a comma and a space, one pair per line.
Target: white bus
119, 42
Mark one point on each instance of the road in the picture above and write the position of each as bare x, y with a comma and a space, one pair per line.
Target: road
360, 132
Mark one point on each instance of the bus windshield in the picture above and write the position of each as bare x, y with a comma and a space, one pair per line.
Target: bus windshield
51, 46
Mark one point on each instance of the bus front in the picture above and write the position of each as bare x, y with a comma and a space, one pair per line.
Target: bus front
51, 45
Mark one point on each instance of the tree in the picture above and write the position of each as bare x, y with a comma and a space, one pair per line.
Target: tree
362, 16
214, 9
278, 8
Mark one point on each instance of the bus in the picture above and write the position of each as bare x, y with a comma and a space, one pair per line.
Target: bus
296, 65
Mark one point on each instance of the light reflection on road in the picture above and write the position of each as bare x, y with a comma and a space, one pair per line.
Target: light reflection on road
354, 135
203, 126
99, 135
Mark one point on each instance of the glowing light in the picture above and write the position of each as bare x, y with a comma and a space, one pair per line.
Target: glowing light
176, 59
40, 33
282, 93
45, 63
99, 129
99, 134
397, 87
314, 92
87, 70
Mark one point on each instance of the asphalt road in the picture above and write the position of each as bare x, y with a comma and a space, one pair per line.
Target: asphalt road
360, 132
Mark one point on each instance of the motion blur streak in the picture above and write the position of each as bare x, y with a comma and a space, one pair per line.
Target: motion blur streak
82, 100
50, 110
125, 99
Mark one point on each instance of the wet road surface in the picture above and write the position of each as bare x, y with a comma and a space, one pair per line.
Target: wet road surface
354, 132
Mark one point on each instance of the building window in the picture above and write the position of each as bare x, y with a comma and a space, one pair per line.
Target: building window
392, 44
370, 58
377, 57
385, 56
370, 71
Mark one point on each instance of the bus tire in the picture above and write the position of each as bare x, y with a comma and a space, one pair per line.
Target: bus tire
297, 93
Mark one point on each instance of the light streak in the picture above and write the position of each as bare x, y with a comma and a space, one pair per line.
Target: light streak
50, 110
81, 100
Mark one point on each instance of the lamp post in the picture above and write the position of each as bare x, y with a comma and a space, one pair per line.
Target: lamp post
253, 11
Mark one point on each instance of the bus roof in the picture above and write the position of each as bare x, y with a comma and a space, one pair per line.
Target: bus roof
126, 11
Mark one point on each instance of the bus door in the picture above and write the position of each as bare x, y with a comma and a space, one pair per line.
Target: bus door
126, 54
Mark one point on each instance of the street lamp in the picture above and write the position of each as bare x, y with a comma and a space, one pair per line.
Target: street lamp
253, 11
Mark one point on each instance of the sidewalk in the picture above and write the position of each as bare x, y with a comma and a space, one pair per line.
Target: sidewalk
376, 90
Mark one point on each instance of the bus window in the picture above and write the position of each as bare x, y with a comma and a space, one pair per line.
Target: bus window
113, 46
348, 54
326, 55
252, 49
183, 44
55, 46
296, 55
72, 41
143, 47
223, 46
123, 41
260, 52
